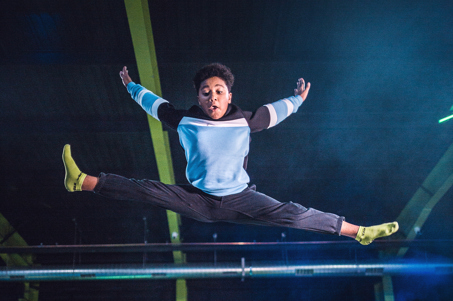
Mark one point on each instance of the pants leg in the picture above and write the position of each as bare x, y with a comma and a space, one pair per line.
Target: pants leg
257, 208
183, 199
247, 207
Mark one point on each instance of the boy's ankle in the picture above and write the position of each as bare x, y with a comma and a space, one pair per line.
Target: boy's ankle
89, 183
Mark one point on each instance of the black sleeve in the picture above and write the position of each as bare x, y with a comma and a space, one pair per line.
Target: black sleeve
258, 120
169, 115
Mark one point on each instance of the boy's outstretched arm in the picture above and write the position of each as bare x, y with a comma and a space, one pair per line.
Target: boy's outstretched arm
149, 101
301, 89
124, 74
281, 109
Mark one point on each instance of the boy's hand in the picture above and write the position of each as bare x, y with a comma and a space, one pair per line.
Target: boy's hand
301, 89
124, 74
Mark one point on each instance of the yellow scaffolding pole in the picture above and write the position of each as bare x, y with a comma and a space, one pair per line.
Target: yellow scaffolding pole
145, 54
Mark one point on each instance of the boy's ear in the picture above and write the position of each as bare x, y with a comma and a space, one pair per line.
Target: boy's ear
230, 97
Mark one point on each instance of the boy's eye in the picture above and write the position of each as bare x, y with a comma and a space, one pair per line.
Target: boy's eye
205, 93
219, 92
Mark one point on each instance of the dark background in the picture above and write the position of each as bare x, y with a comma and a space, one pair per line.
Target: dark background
360, 146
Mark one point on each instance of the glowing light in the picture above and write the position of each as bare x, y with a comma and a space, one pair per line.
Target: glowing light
446, 118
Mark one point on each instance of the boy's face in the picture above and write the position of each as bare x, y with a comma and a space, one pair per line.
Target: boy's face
214, 97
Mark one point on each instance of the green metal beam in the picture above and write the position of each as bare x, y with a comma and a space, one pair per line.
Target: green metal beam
145, 55
387, 286
383, 291
417, 210
10, 237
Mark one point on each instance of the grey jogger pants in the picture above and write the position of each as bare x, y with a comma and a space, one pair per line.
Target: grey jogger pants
246, 207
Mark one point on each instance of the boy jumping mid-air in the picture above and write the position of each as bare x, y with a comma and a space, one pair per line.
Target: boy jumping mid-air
215, 136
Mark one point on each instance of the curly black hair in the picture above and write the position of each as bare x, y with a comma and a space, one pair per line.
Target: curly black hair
211, 70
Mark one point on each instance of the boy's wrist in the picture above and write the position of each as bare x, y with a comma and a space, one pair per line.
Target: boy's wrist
129, 85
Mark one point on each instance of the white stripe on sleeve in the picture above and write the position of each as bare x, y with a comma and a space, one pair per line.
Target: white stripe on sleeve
290, 106
140, 96
273, 115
